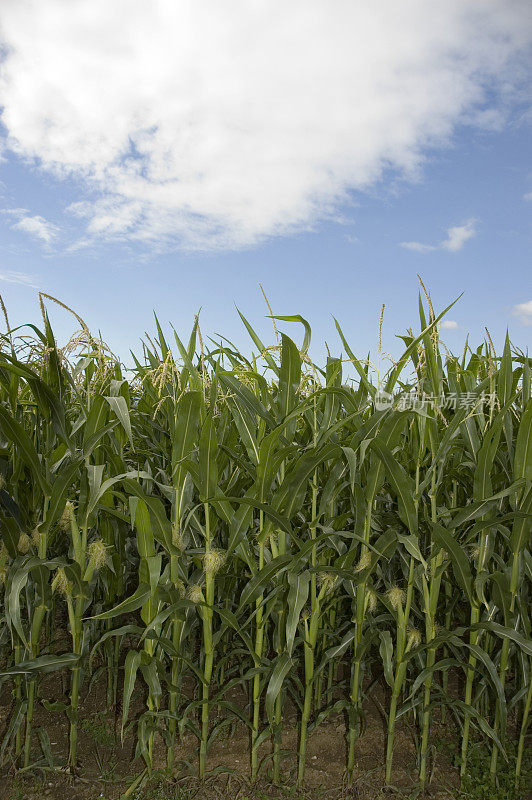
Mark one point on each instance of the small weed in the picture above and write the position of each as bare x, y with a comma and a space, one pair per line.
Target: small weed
17, 789
477, 784
160, 788
98, 729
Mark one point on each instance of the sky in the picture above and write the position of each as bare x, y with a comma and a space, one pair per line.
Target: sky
176, 155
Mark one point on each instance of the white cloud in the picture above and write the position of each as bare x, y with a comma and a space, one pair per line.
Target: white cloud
456, 237
523, 312
527, 196
449, 325
11, 276
352, 239
34, 225
38, 227
418, 247
215, 125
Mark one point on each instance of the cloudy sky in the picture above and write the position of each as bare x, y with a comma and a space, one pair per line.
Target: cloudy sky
172, 154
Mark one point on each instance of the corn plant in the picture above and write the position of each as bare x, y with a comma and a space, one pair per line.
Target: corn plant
304, 534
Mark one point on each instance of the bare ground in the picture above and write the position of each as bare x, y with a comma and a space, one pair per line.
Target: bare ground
107, 768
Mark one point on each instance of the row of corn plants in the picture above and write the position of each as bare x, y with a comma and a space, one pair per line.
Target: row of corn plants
232, 538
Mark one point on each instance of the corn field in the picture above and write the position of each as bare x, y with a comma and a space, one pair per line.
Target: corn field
210, 521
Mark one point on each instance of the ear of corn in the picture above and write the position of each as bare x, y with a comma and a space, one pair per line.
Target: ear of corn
218, 521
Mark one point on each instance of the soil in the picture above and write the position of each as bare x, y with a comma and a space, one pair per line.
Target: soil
107, 767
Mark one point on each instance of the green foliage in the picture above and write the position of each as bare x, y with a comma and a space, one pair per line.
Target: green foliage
215, 524
477, 783
98, 729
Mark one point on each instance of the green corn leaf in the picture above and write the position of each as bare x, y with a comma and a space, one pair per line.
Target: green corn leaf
308, 333
401, 483
462, 572
43, 664
256, 585
119, 407
289, 377
297, 597
523, 446
386, 651
281, 669
522, 526
131, 666
208, 471
132, 603
15, 433
506, 633
505, 377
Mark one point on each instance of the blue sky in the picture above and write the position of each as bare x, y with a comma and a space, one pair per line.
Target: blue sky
180, 213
